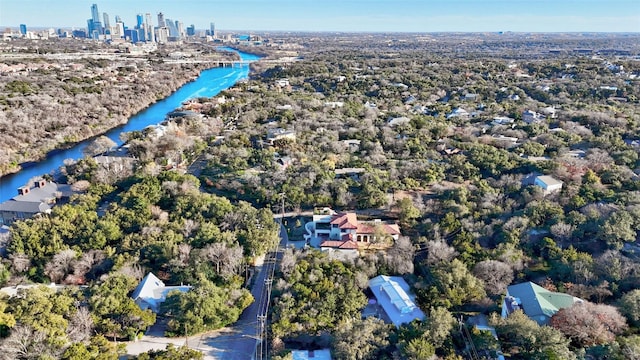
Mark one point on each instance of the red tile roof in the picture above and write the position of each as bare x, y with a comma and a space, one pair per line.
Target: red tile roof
369, 228
345, 221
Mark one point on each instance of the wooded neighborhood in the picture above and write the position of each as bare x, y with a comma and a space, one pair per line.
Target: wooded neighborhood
447, 196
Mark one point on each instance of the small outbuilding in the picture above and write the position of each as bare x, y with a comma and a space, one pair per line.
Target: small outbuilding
548, 183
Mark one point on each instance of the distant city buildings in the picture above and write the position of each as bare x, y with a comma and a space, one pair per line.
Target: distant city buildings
212, 29
100, 26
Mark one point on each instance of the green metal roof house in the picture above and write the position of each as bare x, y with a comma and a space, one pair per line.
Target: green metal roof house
538, 303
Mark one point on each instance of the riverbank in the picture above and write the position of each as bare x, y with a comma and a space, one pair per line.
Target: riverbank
58, 103
208, 83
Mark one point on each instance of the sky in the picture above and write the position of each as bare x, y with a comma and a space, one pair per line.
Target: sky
343, 15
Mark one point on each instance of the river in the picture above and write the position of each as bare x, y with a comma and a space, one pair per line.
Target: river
208, 84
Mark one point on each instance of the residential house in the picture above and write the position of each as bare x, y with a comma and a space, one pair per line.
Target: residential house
283, 161
410, 100
548, 183
155, 131
394, 296
502, 120
282, 82
322, 354
536, 302
334, 104
18, 290
183, 114
284, 107
530, 117
118, 160
469, 97
151, 292
550, 111
31, 201
353, 173
578, 153
280, 134
632, 142
370, 105
400, 85
402, 120
352, 144
340, 231
458, 112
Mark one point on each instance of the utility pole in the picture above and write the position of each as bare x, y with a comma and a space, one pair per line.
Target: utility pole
282, 217
261, 353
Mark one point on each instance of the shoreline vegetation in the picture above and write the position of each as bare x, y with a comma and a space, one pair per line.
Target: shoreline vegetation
51, 102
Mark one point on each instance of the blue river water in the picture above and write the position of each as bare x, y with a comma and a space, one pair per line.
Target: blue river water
208, 84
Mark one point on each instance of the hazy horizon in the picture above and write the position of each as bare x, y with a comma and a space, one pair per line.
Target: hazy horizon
351, 16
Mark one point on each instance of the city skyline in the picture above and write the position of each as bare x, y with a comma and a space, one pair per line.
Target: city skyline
346, 15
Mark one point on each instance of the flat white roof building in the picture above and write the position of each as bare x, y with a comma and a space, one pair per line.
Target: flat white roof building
393, 295
548, 183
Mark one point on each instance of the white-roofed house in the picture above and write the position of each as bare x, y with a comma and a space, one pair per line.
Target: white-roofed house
458, 112
322, 354
402, 120
548, 183
151, 292
394, 296
530, 117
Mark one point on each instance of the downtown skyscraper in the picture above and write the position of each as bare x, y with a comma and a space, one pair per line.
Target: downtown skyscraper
94, 24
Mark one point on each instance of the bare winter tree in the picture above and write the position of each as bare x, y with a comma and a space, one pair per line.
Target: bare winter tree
80, 326
439, 251
60, 265
495, 274
133, 270
184, 253
189, 227
562, 232
81, 267
24, 343
589, 324
288, 262
234, 262
100, 145
400, 257
226, 260
20, 262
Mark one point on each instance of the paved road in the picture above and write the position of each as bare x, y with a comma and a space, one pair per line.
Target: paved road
239, 341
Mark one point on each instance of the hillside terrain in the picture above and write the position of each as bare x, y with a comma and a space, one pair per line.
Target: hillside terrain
55, 94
